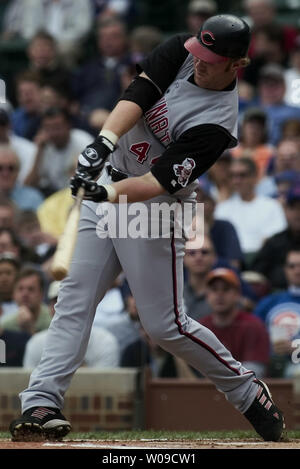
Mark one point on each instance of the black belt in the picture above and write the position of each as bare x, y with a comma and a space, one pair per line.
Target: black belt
115, 174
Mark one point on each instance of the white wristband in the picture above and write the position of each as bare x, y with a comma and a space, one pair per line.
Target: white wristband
109, 135
111, 192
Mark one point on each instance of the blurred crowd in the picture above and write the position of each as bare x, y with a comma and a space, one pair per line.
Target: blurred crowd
65, 67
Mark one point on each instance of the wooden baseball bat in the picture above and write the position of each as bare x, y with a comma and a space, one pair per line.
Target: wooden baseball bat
65, 246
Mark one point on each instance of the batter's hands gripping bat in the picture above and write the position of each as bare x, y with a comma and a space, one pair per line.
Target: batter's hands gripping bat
65, 247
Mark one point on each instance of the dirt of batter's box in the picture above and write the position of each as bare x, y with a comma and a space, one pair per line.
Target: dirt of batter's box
155, 444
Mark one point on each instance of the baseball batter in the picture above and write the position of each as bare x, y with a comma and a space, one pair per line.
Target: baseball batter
173, 122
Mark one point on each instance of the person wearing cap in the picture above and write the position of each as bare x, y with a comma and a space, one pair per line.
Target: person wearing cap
103, 350
242, 333
199, 11
270, 259
171, 124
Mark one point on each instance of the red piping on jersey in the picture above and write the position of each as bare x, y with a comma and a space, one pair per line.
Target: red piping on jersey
177, 321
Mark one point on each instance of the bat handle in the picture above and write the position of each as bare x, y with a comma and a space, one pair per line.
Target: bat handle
80, 195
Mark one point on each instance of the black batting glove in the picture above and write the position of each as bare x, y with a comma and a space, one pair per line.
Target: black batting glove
93, 157
92, 191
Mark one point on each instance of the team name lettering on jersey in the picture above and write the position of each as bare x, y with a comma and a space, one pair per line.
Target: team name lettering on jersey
158, 121
184, 171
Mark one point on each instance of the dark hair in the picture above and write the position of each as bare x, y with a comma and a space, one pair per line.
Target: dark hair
258, 116
11, 259
44, 35
59, 88
111, 21
273, 32
29, 271
56, 111
12, 234
248, 162
29, 75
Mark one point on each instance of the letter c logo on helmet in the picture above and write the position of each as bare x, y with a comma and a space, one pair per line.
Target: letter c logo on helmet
208, 38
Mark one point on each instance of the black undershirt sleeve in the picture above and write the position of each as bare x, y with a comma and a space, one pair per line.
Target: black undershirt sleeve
193, 154
164, 62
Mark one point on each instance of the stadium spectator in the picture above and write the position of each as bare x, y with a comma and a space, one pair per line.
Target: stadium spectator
9, 268
243, 334
199, 259
31, 235
68, 22
283, 168
25, 198
199, 11
259, 284
270, 259
253, 140
269, 49
97, 83
222, 232
8, 213
284, 181
102, 351
254, 217
281, 313
10, 243
57, 146
44, 59
25, 119
24, 148
57, 96
291, 130
264, 13
15, 343
142, 40
217, 180
32, 315
271, 92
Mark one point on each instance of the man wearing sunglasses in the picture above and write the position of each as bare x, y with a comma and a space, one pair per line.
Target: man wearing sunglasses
25, 197
172, 123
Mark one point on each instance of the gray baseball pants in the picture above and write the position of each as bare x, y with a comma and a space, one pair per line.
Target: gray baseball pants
154, 270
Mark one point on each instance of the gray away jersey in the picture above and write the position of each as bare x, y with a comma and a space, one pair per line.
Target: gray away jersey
183, 106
